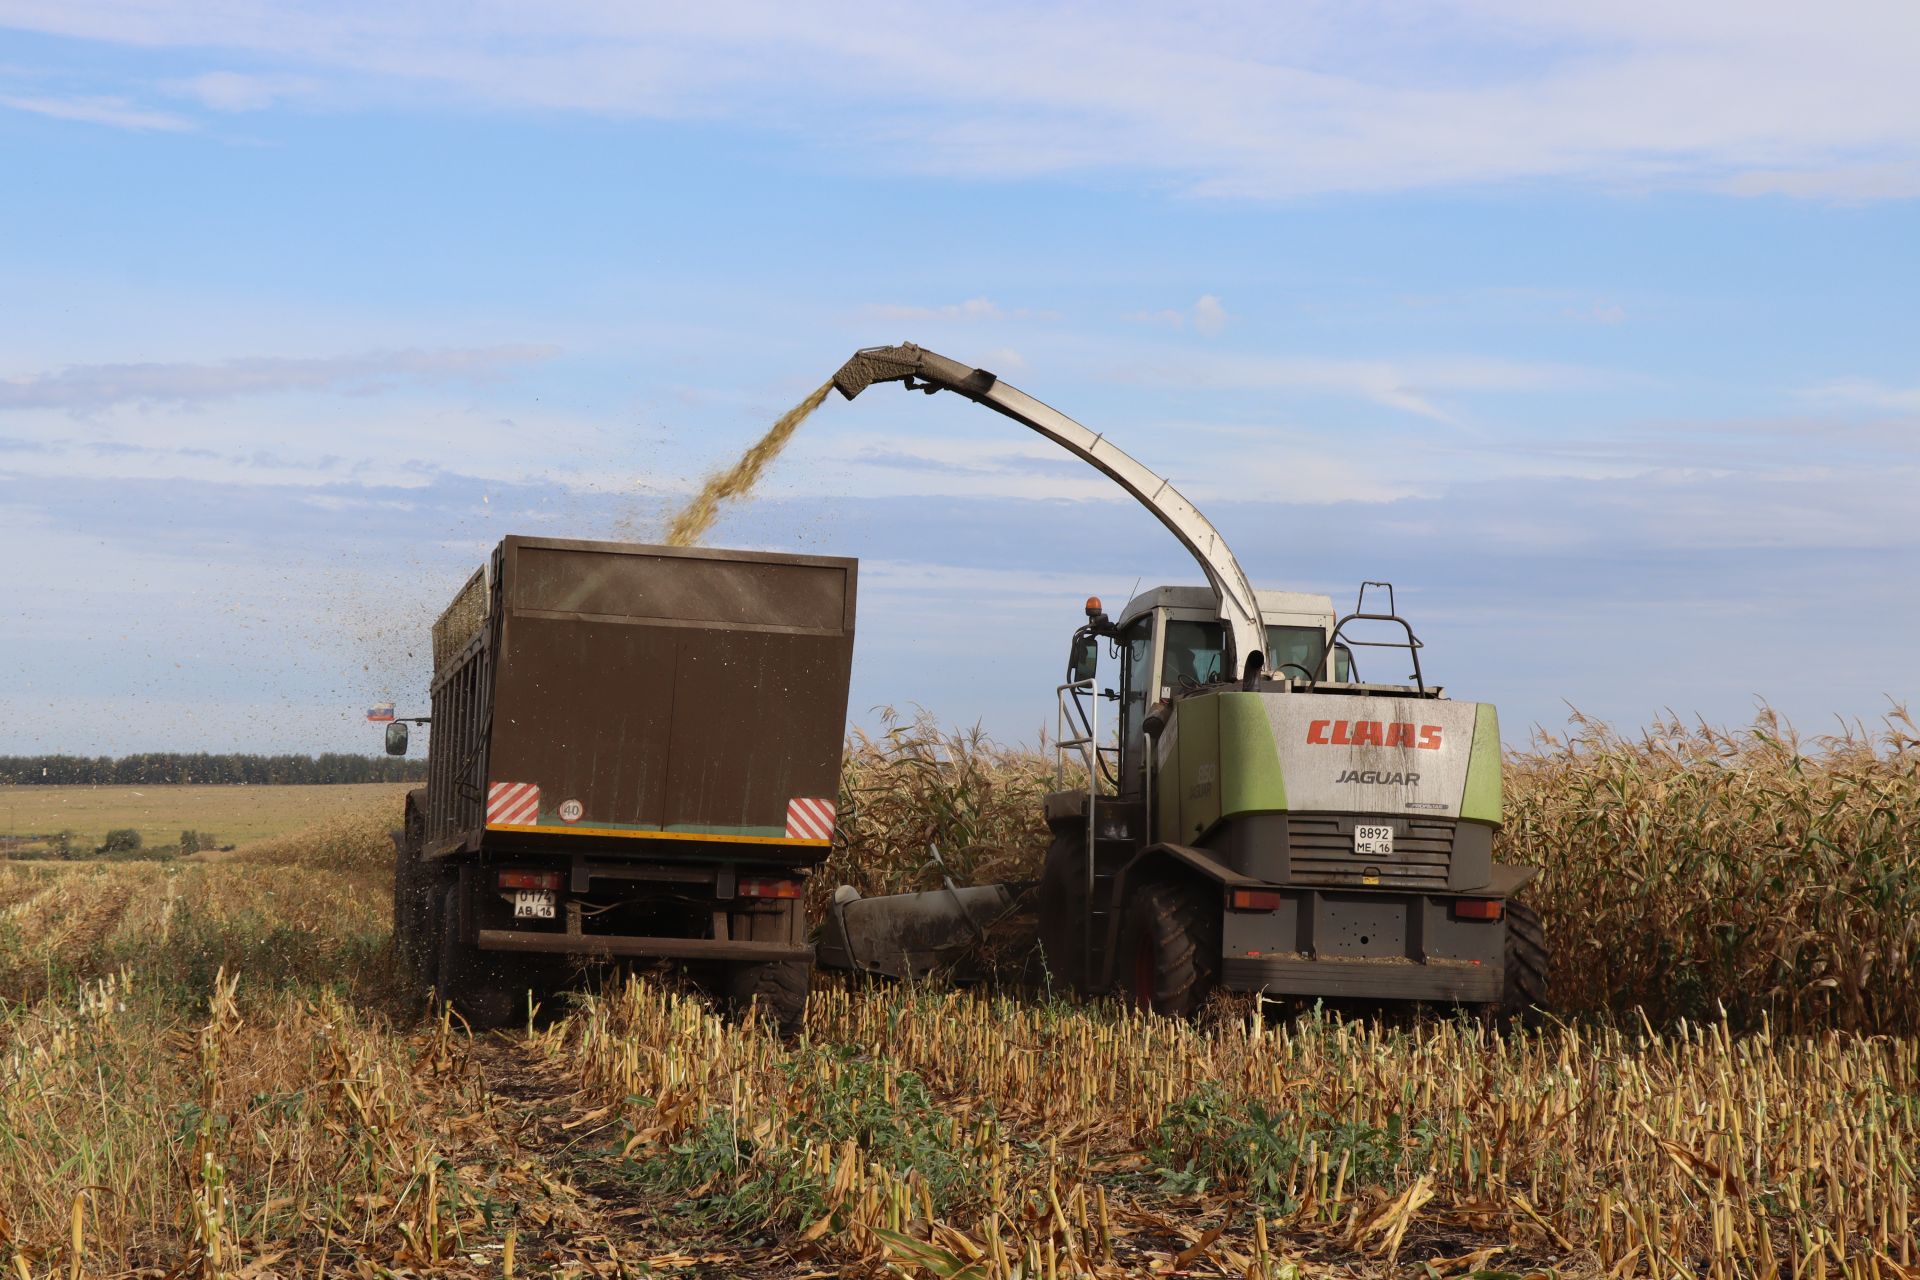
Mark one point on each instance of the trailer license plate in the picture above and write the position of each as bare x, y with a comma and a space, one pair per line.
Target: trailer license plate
1373, 842
533, 904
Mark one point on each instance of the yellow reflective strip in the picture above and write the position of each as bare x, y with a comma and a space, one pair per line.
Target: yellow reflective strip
621, 834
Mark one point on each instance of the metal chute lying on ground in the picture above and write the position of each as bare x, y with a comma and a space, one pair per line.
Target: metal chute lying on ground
1264, 820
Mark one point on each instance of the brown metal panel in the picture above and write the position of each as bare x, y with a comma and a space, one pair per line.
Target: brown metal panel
749, 726
676, 688
669, 587
585, 711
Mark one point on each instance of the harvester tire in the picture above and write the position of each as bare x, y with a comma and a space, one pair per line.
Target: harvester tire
777, 990
463, 976
1061, 903
1170, 946
1524, 995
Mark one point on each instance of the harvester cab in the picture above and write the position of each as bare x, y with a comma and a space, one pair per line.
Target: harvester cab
1262, 819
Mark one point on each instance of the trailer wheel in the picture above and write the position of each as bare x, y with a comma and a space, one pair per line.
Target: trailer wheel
463, 978
1170, 946
777, 989
1061, 902
413, 917
1524, 991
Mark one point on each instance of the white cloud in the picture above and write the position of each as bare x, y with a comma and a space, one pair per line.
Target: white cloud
971, 309
110, 110
235, 91
1607, 313
1209, 317
1864, 393
1254, 99
1397, 384
90, 387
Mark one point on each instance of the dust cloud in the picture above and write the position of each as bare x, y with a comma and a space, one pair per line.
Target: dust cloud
694, 519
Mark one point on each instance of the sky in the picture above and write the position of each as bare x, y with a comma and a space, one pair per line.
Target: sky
1591, 327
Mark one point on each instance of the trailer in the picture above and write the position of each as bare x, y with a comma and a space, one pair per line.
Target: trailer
635, 755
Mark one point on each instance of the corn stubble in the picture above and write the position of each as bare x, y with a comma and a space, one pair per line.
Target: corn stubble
205, 1066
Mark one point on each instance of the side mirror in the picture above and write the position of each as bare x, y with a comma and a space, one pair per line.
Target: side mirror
1084, 659
397, 738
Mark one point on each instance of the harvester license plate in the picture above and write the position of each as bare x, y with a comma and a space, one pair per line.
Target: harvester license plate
533, 904
1372, 842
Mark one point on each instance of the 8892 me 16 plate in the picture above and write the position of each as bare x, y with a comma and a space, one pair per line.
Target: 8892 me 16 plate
1373, 840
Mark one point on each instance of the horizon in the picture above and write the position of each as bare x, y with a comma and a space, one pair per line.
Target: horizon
1591, 330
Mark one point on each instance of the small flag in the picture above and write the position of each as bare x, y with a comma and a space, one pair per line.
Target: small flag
380, 711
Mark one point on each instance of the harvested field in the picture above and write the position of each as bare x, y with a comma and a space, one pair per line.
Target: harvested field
234, 814
207, 1066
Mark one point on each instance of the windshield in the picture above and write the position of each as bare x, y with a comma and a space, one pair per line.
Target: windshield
1193, 653
1294, 652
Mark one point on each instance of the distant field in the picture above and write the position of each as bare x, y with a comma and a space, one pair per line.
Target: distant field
234, 814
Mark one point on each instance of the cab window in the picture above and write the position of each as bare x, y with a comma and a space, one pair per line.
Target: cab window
1193, 654
1136, 689
1294, 652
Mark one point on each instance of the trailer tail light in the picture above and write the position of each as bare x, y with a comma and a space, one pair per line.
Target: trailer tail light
1255, 900
1478, 908
753, 888
551, 880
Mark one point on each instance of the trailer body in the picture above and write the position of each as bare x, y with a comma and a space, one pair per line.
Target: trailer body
635, 752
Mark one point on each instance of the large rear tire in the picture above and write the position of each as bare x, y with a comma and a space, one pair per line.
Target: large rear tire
414, 936
1061, 903
480, 988
775, 990
1523, 999
1169, 957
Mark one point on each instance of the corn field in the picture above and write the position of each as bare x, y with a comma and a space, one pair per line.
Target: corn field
1692, 870
209, 1067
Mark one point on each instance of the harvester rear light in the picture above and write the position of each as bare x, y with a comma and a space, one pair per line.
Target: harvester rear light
1255, 900
1478, 908
754, 888
532, 880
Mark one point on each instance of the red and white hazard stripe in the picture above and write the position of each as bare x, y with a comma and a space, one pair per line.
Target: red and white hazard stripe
809, 819
512, 804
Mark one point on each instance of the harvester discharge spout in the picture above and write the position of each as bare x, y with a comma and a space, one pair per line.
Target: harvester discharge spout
923, 370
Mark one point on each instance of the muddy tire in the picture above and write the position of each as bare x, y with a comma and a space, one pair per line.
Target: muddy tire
468, 979
1523, 999
1061, 903
1169, 955
414, 919
775, 991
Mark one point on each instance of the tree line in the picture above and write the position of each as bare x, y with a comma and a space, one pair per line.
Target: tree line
156, 768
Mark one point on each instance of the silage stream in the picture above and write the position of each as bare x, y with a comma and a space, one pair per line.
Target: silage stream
690, 526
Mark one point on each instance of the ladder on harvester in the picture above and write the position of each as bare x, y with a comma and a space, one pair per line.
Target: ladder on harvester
1108, 819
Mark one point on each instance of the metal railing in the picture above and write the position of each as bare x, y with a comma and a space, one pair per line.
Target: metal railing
1077, 736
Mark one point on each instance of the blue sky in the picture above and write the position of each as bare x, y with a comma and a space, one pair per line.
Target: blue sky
1590, 326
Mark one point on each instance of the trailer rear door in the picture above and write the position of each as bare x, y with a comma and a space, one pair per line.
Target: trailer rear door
646, 693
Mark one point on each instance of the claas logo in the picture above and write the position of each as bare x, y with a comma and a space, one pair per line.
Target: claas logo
1373, 733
